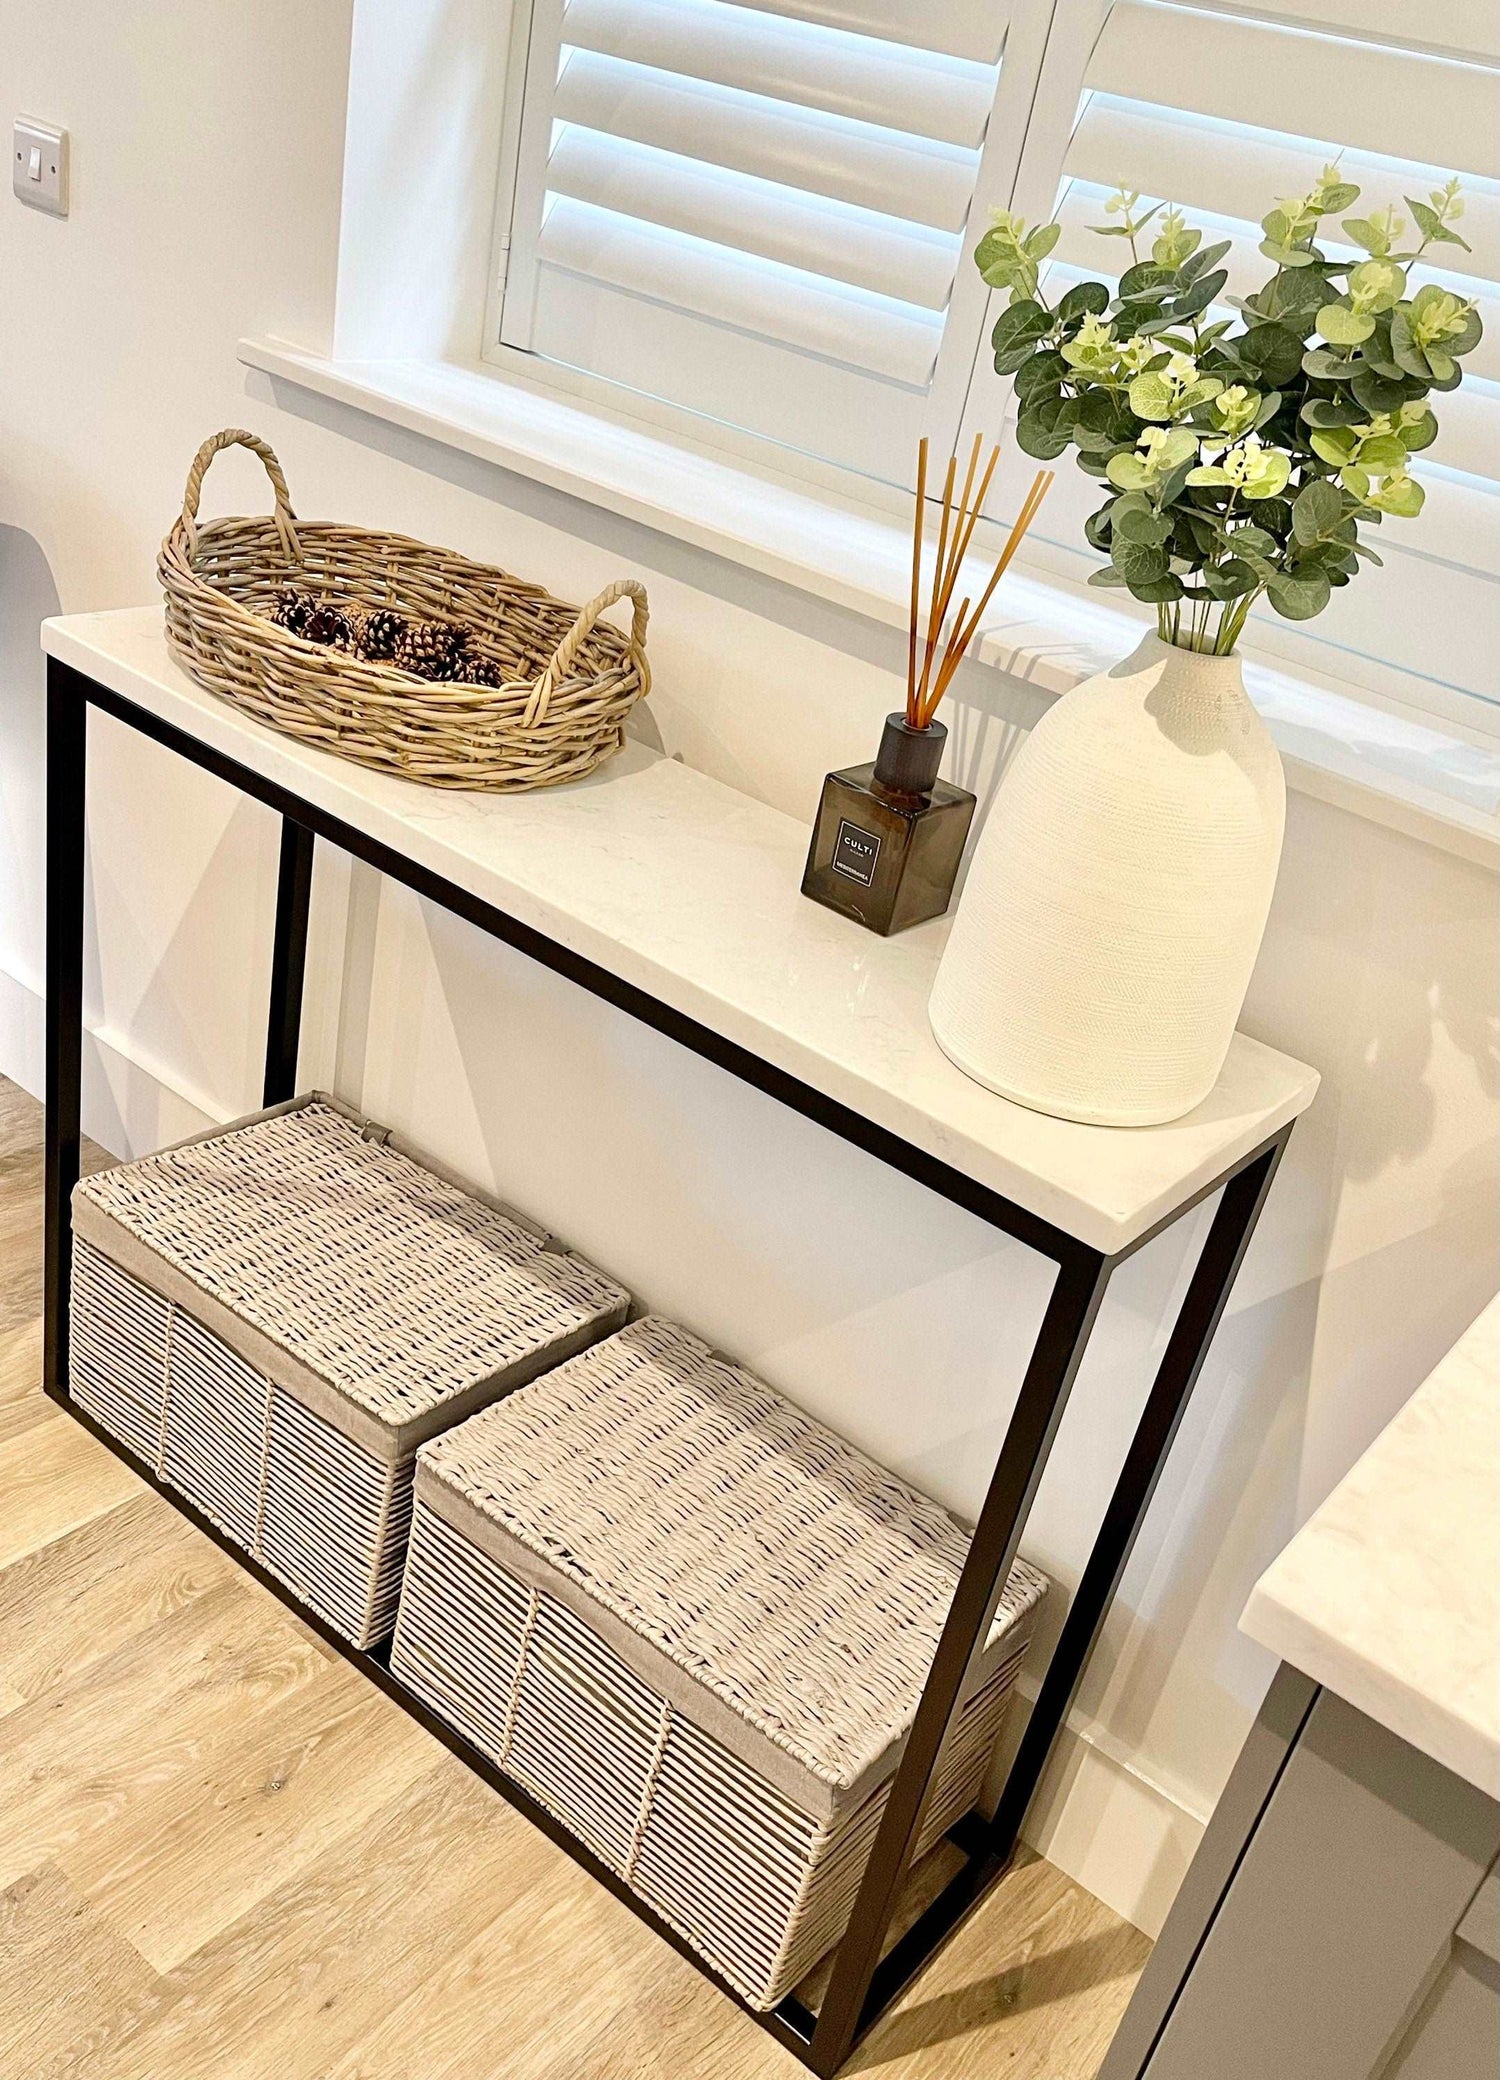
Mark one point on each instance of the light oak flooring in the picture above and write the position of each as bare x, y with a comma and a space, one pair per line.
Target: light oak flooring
223, 1856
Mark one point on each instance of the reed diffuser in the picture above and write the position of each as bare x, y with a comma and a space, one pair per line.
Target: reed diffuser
889, 835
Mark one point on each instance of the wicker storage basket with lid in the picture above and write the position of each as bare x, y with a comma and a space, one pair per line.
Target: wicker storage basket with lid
274, 1316
568, 678
695, 1625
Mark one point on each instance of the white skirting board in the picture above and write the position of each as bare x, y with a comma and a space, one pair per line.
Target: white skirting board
1115, 1832
1121, 1837
130, 1105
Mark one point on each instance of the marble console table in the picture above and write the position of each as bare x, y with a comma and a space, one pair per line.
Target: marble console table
676, 899
1342, 1918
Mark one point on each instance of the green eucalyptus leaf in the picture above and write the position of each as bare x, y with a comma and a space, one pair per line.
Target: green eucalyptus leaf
1378, 394
1316, 508
1405, 352
1083, 300
1089, 442
1173, 486
1419, 433
1334, 447
1128, 471
1039, 243
1364, 231
1303, 294
1141, 524
1466, 341
1337, 197
1108, 578
1023, 324
1038, 437
1197, 296
1383, 451
1431, 225
1138, 561
1402, 496
1100, 412
1201, 261
1156, 591
1275, 350
1152, 397
1230, 580
1330, 411
1285, 256
1326, 367
1044, 371
1147, 278
1343, 327
1298, 596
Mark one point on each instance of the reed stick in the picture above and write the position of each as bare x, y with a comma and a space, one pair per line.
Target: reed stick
916, 583
946, 574
963, 631
934, 612
942, 655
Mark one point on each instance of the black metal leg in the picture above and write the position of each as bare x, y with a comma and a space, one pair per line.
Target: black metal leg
288, 960
1182, 1361
1081, 1280
67, 738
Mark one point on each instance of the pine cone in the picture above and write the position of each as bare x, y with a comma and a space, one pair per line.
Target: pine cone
482, 671
292, 610
428, 649
381, 634
330, 626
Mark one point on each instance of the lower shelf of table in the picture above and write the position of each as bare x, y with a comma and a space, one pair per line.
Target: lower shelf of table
942, 1891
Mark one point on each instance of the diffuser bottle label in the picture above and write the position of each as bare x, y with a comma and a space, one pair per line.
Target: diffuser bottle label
855, 853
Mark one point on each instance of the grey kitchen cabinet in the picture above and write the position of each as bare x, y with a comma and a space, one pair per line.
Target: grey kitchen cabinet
1340, 1922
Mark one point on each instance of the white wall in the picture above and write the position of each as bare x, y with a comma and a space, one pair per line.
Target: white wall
208, 143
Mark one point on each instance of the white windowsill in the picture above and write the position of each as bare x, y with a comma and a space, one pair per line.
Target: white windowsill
1411, 775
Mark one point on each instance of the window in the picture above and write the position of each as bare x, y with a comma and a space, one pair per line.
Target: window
760, 215
757, 213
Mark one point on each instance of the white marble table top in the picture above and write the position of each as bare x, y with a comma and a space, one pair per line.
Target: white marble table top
1390, 1593
690, 890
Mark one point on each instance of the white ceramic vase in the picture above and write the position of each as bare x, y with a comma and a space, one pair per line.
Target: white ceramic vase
1117, 896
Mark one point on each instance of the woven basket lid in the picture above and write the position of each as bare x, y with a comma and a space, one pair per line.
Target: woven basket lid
778, 1585
387, 1296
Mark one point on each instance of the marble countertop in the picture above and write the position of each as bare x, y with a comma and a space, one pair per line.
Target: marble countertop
1390, 1593
689, 890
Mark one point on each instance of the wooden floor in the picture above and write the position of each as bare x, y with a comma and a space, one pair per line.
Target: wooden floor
223, 1856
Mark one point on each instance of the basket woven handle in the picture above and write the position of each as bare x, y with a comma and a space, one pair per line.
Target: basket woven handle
561, 661
236, 437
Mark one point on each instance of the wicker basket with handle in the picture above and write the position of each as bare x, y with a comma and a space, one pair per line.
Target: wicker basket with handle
568, 679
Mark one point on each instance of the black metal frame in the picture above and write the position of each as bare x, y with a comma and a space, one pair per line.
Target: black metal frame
866, 1977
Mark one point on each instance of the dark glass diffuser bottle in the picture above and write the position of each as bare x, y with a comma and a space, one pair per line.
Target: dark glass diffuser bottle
889, 836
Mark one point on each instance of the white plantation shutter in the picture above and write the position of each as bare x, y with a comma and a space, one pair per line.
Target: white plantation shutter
1224, 112
755, 212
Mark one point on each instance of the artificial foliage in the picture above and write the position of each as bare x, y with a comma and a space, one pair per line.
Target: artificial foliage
1244, 456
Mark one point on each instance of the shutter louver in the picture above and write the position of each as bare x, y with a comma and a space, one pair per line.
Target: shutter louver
754, 211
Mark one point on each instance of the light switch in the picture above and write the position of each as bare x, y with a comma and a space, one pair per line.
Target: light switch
39, 165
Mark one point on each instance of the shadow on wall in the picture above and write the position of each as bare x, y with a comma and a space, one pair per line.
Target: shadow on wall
28, 594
